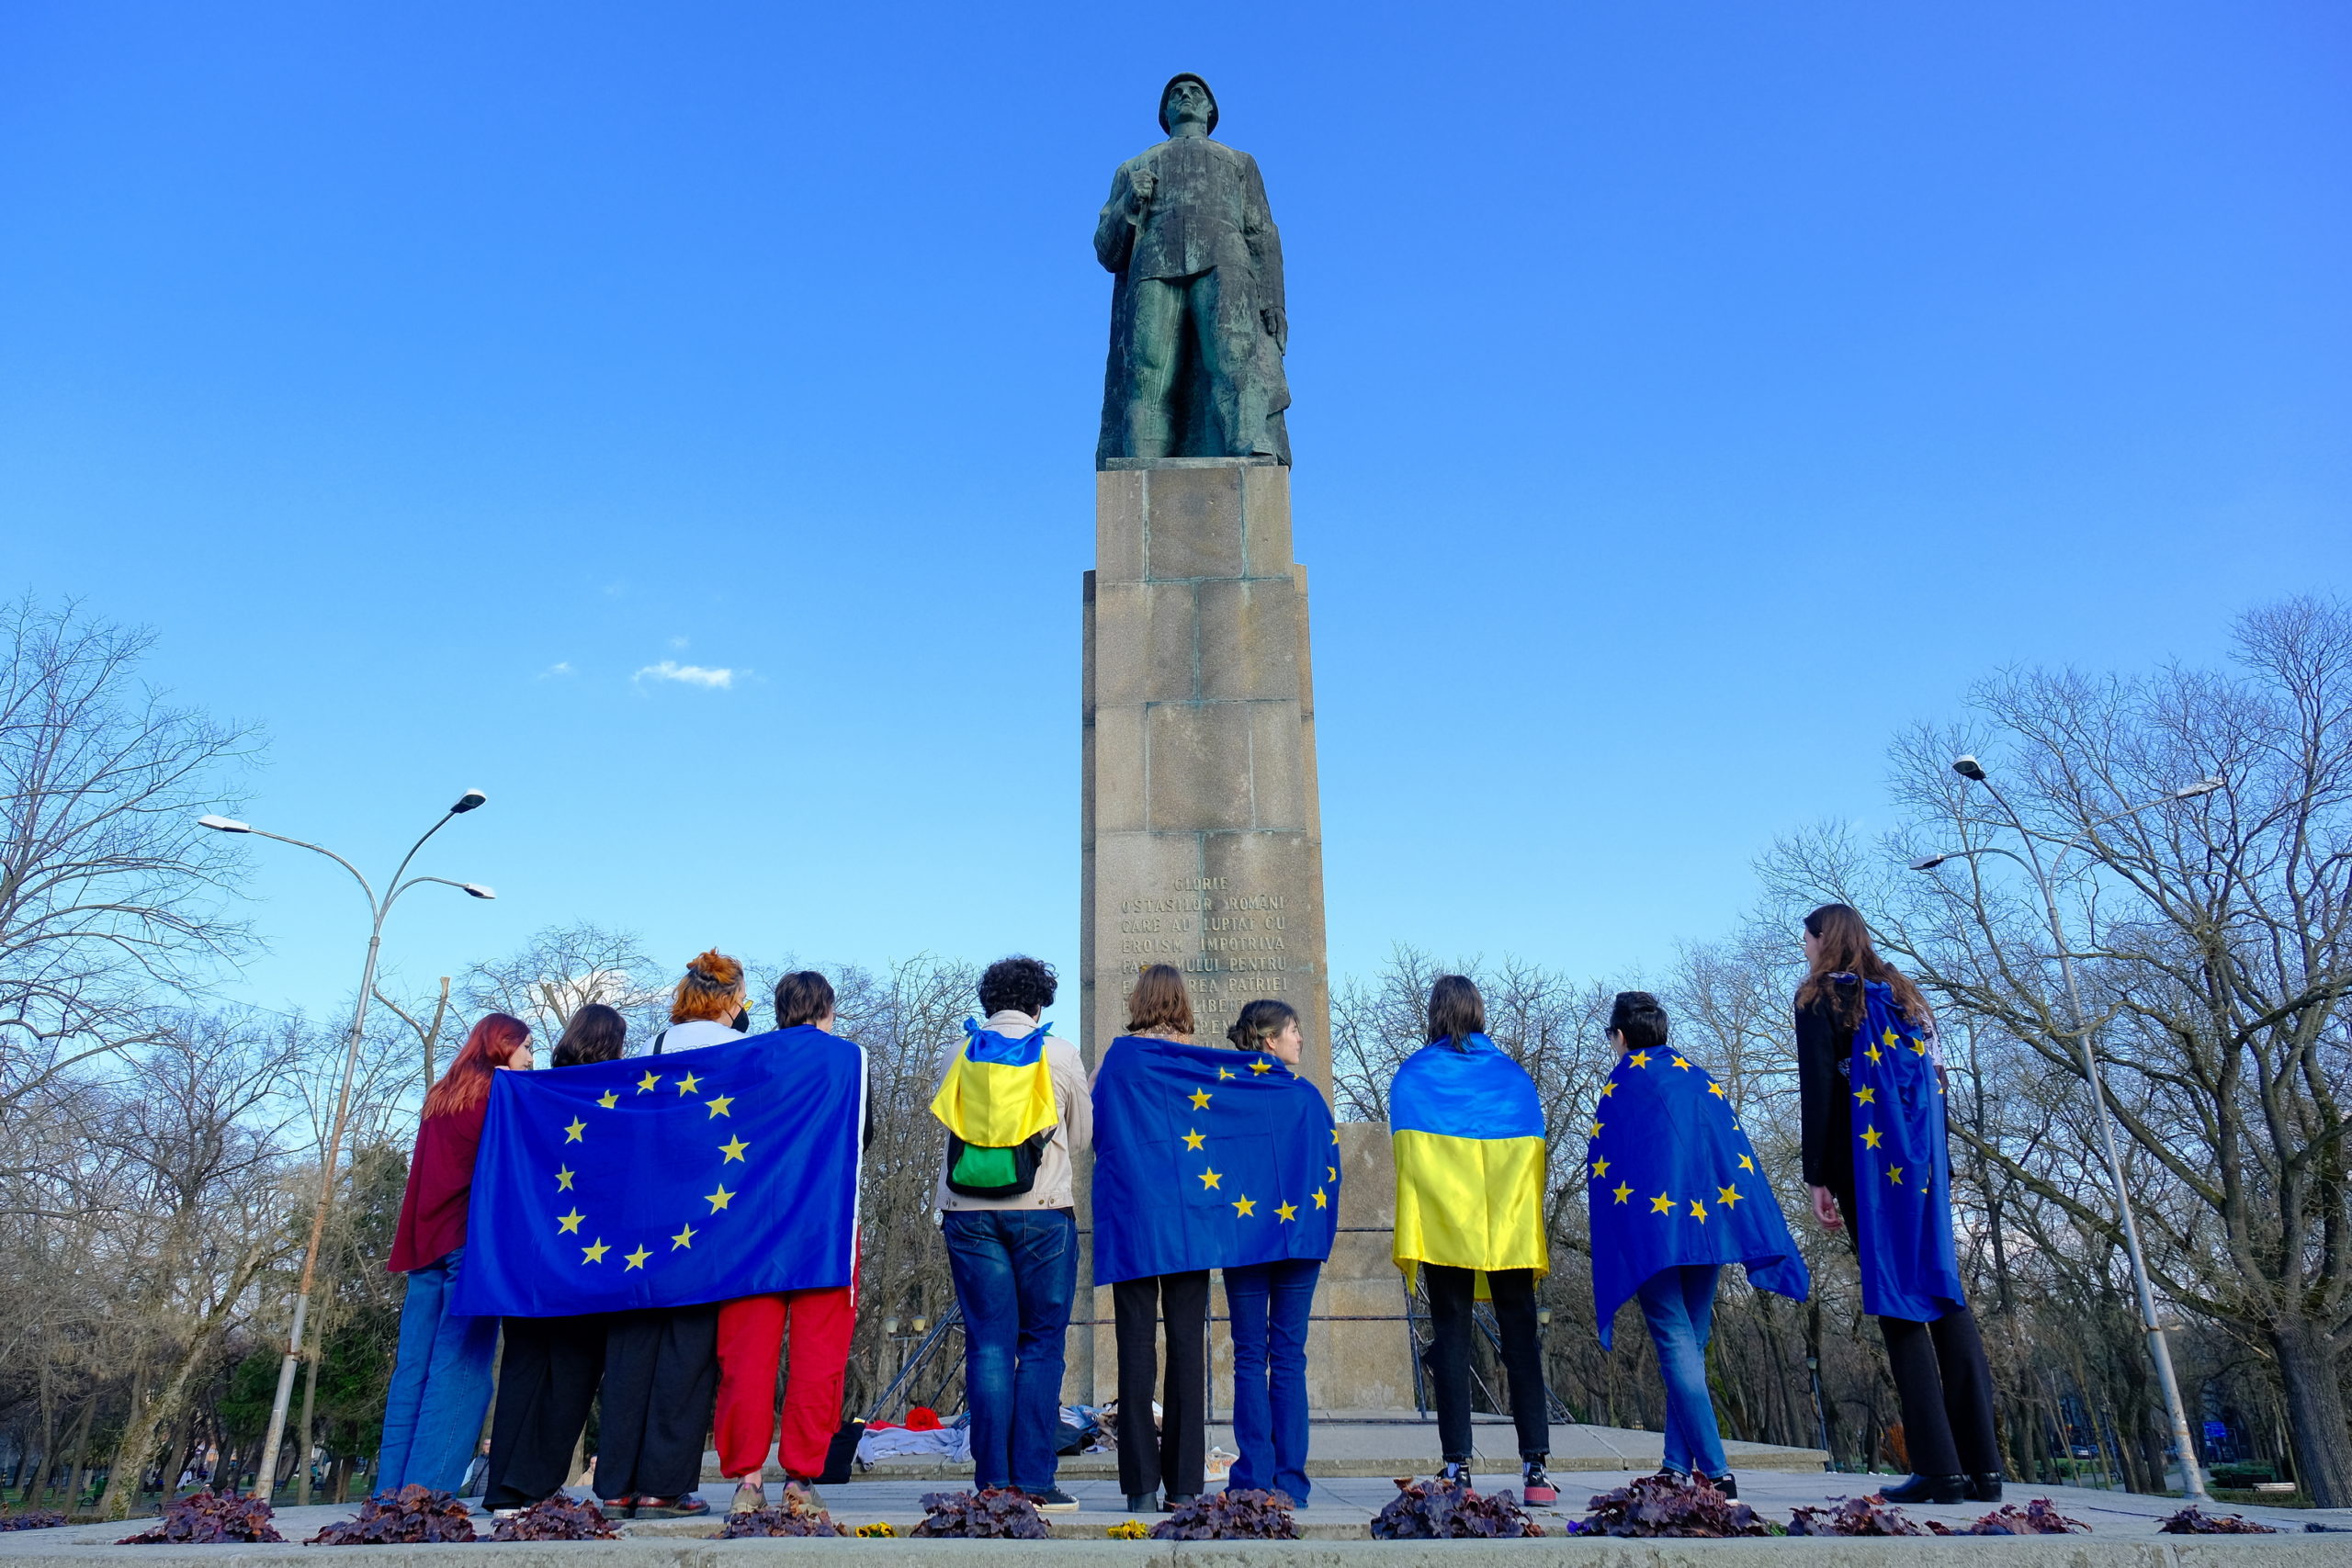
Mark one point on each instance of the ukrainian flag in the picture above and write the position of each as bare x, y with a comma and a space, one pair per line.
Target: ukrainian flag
999, 1091
1468, 1134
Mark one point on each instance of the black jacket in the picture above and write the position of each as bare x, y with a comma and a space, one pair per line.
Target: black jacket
1825, 1096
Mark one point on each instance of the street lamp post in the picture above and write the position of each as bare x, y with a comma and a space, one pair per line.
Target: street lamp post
1969, 768
378, 908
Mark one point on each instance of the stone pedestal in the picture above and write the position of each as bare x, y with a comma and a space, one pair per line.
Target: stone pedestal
1202, 844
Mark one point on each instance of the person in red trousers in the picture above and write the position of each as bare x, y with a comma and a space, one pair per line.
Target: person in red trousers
751, 1333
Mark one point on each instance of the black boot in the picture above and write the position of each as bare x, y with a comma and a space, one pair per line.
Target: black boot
1927, 1489
1984, 1487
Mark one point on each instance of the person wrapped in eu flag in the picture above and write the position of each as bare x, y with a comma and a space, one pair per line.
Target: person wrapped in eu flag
1676, 1193
655, 1188
1205, 1158
1872, 1090
1467, 1129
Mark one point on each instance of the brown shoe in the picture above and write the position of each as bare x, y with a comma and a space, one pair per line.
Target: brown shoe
684, 1507
750, 1498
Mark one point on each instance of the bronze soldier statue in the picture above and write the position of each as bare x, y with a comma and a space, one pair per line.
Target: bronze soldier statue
1197, 326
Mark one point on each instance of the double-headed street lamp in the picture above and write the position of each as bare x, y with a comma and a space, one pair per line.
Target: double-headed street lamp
1971, 770
378, 908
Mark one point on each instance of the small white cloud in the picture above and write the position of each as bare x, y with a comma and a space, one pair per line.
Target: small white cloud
678, 642
687, 674
561, 667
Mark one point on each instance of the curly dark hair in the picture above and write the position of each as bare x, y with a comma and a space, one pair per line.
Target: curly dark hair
1019, 984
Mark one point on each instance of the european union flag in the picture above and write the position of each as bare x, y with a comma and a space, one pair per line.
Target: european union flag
1901, 1168
1207, 1158
667, 1181
1672, 1180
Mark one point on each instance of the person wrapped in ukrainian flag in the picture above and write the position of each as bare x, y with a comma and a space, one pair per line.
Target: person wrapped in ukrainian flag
1467, 1129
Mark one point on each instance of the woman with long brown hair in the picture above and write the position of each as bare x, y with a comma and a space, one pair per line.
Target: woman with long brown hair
1157, 1008
1866, 1053
440, 1387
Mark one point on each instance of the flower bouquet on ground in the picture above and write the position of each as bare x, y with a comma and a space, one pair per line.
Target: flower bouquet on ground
207, 1518
2040, 1517
1678, 1505
1853, 1516
1433, 1510
557, 1518
795, 1516
2194, 1521
999, 1513
414, 1515
1230, 1515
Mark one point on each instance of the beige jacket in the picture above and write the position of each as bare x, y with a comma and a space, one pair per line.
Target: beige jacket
1053, 1187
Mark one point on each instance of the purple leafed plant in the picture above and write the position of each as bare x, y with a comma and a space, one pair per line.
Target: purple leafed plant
1431, 1510
207, 1518
32, 1519
795, 1516
2040, 1517
411, 1515
2191, 1521
998, 1514
557, 1518
1670, 1506
1230, 1515
1853, 1516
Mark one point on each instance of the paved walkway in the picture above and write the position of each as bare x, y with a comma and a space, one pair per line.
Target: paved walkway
1339, 1509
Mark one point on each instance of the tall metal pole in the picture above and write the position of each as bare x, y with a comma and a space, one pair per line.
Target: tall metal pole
2193, 1475
266, 1474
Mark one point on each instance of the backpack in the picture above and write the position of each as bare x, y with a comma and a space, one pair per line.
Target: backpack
1015, 1066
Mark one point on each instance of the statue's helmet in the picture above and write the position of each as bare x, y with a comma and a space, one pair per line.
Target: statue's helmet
1185, 76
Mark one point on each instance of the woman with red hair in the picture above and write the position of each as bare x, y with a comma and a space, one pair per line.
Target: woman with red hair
440, 1388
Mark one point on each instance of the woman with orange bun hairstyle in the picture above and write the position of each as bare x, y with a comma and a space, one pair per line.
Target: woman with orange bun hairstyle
661, 1364
440, 1388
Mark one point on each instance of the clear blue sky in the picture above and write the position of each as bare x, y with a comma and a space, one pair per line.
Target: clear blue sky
423, 373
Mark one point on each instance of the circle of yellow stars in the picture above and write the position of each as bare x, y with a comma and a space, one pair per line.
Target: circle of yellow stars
1212, 1180
1727, 1197
595, 1247
1890, 1044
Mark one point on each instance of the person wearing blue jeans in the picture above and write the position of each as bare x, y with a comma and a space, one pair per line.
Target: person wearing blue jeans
440, 1388
1679, 1306
1269, 1304
1013, 1259
441, 1383
1014, 1275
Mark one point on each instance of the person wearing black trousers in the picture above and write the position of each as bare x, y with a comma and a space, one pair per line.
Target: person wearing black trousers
549, 1367
1941, 1377
1175, 1456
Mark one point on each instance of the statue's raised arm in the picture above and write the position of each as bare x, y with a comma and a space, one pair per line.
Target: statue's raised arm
1198, 324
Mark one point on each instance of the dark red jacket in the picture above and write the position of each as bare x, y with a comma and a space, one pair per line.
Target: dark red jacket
440, 1180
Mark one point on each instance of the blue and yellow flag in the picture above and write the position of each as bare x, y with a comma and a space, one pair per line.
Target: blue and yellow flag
1207, 1158
999, 1091
1901, 1168
1672, 1180
1468, 1133
668, 1180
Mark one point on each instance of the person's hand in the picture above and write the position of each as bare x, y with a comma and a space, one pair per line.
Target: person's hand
1145, 183
1825, 1209
1277, 325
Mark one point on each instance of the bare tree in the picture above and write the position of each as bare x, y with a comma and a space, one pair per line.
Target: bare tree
2215, 938
109, 893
